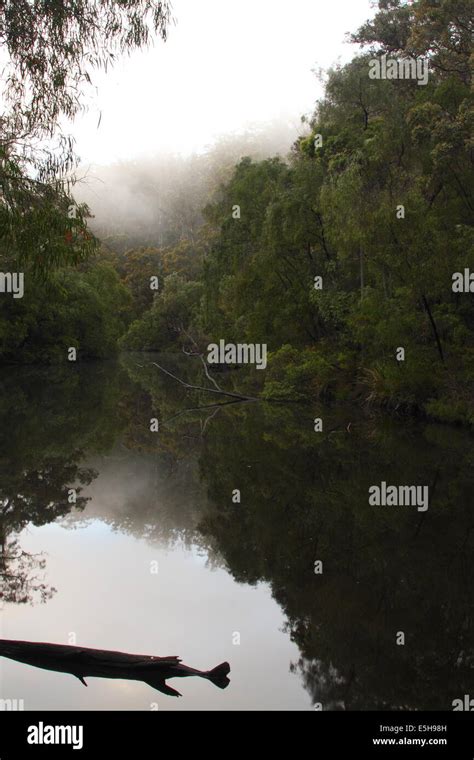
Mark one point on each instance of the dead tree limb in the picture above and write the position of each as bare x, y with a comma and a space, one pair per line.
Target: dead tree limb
203, 388
83, 662
206, 371
201, 408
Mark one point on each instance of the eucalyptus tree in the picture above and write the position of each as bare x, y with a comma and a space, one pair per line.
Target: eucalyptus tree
50, 50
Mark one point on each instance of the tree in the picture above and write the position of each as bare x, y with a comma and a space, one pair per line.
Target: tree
376, 202
52, 48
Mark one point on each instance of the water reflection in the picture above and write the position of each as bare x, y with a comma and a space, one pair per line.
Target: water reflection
303, 498
43, 437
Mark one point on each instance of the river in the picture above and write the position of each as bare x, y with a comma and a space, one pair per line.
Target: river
236, 533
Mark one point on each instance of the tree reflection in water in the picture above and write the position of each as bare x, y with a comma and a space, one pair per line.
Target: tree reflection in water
304, 497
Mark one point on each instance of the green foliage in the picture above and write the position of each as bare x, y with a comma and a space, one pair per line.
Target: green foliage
52, 47
169, 318
87, 310
382, 211
295, 375
50, 50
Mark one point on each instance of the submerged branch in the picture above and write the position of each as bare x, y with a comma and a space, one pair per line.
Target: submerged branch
239, 396
216, 407
206, 371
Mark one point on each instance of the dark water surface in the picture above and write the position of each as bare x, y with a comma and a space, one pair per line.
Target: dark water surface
156, 558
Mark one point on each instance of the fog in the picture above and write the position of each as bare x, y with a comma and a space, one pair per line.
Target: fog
164, 125
224, 66
159, 199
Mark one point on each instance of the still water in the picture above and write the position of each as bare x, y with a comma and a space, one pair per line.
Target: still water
158, 556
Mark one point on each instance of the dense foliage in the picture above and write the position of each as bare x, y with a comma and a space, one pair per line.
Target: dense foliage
49, 53
380, 206
337, 257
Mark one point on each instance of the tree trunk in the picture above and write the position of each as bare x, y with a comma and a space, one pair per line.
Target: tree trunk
433, 327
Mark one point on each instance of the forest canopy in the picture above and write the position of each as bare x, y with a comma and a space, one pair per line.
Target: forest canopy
342, 252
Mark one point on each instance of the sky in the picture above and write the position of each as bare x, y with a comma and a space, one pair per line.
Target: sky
225, 66
108, 596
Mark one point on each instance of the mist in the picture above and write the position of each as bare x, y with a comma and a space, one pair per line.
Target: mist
223, 68
164, 127
158, 200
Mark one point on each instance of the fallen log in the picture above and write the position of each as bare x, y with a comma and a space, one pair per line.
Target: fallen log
83, 662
